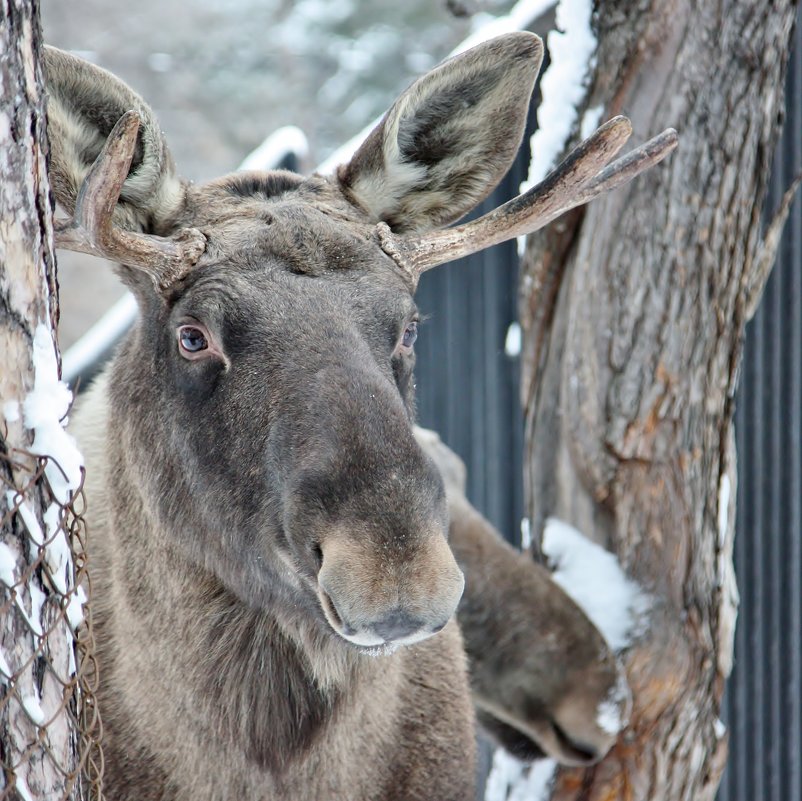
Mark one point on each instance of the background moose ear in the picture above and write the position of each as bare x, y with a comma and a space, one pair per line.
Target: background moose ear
84, 103
449, 139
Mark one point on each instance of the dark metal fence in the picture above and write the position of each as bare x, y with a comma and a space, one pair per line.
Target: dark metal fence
763, 706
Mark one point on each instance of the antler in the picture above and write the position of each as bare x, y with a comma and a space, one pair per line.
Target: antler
577, 180
91, 229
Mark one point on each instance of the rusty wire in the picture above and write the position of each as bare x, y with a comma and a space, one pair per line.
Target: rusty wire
76, 771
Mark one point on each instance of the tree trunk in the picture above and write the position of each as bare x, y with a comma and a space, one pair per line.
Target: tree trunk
37, 661
631, 372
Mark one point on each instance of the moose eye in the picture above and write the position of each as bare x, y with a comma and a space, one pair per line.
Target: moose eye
192, 340
410, 335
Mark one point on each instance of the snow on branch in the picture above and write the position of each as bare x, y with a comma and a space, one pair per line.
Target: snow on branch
282, 143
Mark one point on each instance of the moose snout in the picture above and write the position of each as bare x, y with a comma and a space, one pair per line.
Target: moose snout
370, 601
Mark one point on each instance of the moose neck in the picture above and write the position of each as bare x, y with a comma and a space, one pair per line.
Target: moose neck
273, 675
270, 678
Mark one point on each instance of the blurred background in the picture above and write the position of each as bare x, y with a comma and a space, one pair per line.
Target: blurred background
222, 75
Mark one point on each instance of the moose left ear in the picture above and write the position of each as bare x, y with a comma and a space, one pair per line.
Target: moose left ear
449, 139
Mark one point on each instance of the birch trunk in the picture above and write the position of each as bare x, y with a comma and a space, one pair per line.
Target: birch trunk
36, 645
631, 372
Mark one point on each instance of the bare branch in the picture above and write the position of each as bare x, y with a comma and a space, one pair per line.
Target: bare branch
582, 176
767, 254
92, 230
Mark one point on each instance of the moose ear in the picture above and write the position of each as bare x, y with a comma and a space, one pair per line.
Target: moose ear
84, 103
449, 139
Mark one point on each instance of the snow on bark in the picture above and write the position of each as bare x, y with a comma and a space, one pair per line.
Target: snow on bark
563, 86
512, 780
592, 576
45, 409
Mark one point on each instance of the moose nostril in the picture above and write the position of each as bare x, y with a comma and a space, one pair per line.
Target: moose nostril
396, 625
317, 555
333, 613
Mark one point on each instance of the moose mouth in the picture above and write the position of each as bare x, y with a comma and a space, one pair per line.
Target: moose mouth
542, 739
577, 753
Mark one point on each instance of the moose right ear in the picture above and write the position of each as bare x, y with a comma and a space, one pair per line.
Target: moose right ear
84, 103
449, 139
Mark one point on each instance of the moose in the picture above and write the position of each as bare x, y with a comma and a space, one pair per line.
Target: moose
292, 597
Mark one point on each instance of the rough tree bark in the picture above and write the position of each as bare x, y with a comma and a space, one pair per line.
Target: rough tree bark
36, 644
631, 372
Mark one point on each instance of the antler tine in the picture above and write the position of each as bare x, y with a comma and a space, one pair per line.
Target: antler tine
581, 177
92, 230
623, 170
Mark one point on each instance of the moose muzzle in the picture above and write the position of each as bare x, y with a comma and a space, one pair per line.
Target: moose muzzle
382, 596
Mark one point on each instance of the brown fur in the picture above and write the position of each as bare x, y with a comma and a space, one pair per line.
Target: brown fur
262, 516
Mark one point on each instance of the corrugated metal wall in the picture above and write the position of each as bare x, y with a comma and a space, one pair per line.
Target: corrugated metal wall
764, 697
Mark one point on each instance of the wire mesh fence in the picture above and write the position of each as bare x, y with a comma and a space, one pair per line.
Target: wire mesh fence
50, 728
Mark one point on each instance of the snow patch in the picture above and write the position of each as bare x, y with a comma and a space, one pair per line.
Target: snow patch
22, 789
563, 86
75, 609
511, 780
58, 555
11, 411
608, 718
526, 533
512, 342
38, 599
34, 623
8, 564
5, 670
724, 489
612, 713
15, 501
590, 121
44, 409
276, 147
616, 605
33, 707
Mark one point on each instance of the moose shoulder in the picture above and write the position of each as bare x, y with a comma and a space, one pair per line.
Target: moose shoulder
274, 589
